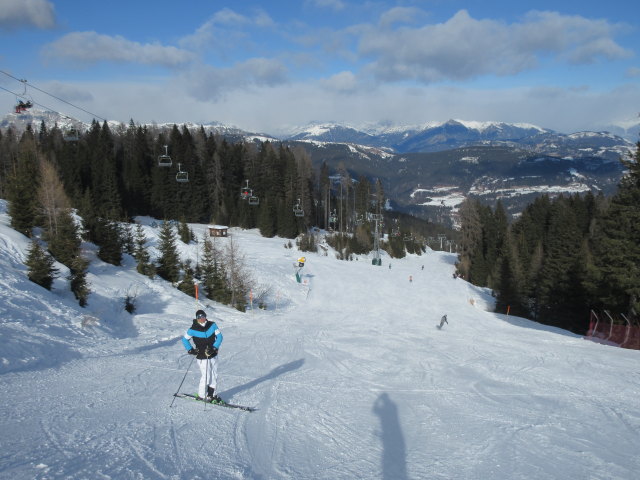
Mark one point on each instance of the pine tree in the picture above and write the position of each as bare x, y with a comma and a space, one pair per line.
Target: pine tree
107, 235
471, 238
616, 245
51, 197
267, 218
136, 170
510, 282
64, 242
214, 278
40, 265
239, 280
187, 284
169, 260
104, 176
183, 231
286, 220
23, 186
557, 280
141, 255
78, 279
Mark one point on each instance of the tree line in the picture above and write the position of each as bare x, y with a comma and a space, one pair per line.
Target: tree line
562, 257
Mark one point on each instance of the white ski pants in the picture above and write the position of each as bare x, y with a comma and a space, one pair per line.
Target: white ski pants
208, 375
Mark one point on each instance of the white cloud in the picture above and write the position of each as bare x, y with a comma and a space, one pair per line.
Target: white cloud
343, 82
210, 83
332, 4
226, 16
464, 48
208, 95
225, 28
70, 93
400, 15
92, 47
26, 13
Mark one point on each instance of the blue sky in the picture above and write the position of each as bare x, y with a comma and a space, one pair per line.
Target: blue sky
565, 65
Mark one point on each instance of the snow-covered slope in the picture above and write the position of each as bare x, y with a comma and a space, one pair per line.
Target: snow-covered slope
350, 374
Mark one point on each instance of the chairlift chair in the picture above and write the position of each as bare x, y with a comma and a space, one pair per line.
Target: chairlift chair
70, 135
23, 102
297, 210
253, 200
246, 192
165, 160
181, 176
333, 217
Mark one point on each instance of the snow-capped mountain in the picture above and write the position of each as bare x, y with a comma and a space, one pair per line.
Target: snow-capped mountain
35, 117
434, 137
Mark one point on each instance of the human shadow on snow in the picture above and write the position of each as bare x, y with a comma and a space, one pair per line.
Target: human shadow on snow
276, 372
394, 452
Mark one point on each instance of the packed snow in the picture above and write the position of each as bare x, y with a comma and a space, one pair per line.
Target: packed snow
350, 374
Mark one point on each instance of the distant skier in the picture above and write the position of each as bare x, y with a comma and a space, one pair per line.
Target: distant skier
443, 320
206, 337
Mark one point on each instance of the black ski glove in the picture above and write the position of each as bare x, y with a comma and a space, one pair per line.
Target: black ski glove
211, 352
193, 351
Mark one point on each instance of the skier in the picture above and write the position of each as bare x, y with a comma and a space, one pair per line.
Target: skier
22, 106
206, 337
443, 320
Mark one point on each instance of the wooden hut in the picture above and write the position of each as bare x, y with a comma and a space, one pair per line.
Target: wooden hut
218, 231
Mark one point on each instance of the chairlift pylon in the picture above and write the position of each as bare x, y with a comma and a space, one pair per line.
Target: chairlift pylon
165, 160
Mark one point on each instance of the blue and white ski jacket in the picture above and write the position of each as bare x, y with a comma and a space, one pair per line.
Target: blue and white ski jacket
203, 336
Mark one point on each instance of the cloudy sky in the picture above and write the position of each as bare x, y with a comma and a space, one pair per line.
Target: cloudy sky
263, 66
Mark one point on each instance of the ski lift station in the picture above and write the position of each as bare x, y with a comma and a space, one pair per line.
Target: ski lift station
218, 231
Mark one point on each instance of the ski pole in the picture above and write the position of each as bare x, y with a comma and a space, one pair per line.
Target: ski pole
206, 383
183, 378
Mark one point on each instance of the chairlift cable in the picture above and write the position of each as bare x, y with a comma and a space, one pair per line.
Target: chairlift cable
25, 83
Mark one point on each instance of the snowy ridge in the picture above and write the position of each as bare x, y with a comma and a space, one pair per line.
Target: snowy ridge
351, 376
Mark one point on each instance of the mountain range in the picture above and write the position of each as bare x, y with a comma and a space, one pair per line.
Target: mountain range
428, 169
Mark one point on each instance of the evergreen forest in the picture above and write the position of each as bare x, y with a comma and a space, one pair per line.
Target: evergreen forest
562, 258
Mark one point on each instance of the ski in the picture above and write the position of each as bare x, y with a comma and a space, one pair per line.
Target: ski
223, 404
